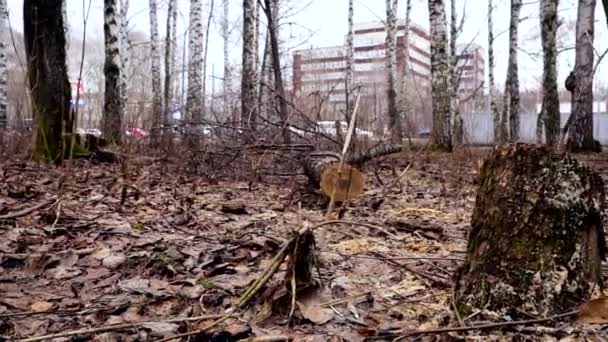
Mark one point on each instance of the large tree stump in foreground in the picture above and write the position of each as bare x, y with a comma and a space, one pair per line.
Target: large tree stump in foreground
537, 236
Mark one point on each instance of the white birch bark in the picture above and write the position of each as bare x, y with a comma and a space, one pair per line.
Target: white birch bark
550, 112
350, 57
441, 135
511, 108
404, 102
3, 64
394, 122
112, 114
124, 53
491, 84
454, 75
227, 84
248, 79
174, 50
157, 102
194, 104
211, 9
168, 96
580, 137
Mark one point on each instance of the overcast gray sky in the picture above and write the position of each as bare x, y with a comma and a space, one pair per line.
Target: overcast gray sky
320, 23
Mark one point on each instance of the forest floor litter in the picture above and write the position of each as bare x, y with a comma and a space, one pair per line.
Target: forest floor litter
91, 250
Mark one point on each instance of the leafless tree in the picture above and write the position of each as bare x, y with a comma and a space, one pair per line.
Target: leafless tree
227, 84
441, 135
124, 53
404, 103
454, 79
169, 57
394, 120
350, 58
194, 105
48, 79
550, 112
3, 65
511, 103
157, 101
498, 131
248, 78
580, 137
112, 113
276, 64
205, 53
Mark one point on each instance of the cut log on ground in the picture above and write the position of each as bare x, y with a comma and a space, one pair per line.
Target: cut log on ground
322, 171
537, 237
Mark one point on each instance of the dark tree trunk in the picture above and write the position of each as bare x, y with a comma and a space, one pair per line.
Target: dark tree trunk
112, 108
580, 136
537, 237
48, 79
276, 65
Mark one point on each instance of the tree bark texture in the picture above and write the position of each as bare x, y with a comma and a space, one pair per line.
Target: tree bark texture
169, 56
441, 134
227, 84
248, 84
550, 112
454, 78
205, 54
112, 108
493, 107
580, 137
48, 79
276, 64
350, 58
394, 122
404, 101
124, 53
537, 236
157, 99
194, 104
511, 108
3, 64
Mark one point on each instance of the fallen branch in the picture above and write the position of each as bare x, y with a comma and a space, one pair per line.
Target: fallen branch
113, 327
482, 326
26, 211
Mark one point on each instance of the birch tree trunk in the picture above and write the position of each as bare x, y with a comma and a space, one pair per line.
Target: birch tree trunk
168, 60
157, 101
44, 38
404, 103
112, 113
550, 112
124, 54
174, 52
278, 77
248, 85
580, 137
394, 122
205, 53
493, 107
441, 135
194, 104
3, 64
227, 84
350, 59
511, 108
454, 74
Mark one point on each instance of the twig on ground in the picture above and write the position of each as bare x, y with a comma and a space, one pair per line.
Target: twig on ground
404, 334
113, 327
278, 338
26, 211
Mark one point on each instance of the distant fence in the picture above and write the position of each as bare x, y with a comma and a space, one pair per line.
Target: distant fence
479, 127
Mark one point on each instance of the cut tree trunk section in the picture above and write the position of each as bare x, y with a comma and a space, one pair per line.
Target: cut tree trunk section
537, 237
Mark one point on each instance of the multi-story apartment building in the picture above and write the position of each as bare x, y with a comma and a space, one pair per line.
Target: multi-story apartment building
320, 73
470, 76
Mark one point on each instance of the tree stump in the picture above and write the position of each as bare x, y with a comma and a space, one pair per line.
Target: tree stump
537, 237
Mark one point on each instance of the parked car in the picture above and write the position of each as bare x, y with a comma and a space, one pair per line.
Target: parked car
136, 132
94, 131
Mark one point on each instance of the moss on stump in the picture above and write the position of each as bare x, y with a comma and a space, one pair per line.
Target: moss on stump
537, 236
